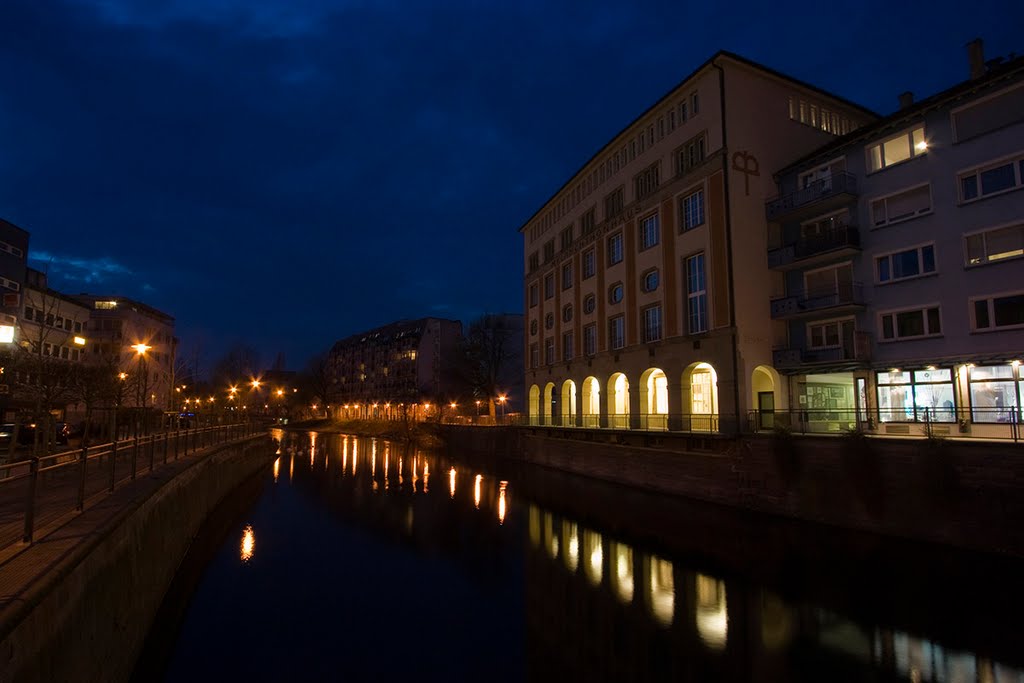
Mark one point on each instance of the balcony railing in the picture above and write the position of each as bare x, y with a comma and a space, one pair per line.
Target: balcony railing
838, 239
839, 183
858, 350
800, 302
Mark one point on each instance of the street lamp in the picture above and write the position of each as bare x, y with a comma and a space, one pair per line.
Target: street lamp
143, 385
501, 401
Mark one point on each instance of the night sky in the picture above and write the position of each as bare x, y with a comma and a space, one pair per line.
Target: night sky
284, 173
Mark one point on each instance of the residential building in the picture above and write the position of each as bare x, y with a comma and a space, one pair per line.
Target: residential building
137, 340
412, 363
645, 274
13, 263
897, 257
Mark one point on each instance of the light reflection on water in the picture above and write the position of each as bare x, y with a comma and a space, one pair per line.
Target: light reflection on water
679, 608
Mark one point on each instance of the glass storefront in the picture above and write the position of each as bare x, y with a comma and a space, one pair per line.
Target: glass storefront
916, 396
995, 393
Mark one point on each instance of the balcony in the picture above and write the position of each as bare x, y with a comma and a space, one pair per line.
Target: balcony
844, 297
842, 240
847, 354
838, 187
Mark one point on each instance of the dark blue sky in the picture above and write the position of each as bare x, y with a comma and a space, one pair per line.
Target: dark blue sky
287, 172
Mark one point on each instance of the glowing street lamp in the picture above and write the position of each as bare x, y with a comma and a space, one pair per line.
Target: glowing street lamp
501, 402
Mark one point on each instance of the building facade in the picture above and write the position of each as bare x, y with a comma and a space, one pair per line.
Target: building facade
136, 341
13, 264
897, 258
408, 363
645, 274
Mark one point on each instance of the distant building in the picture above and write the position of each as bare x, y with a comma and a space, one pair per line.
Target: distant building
119, 328
645, 275
13, 263
897, 261
410, 362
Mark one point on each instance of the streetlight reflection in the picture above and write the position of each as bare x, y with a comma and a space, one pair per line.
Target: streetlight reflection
451, 481
476, 490
501, 503
248, 543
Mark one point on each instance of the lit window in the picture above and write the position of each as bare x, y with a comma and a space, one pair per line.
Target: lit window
899, 148
994, 245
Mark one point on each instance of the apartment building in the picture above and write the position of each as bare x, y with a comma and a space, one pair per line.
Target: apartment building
137, 340
645, 274
409, 362
897, 272
13, 263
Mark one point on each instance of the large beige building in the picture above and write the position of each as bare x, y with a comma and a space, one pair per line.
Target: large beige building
646, 274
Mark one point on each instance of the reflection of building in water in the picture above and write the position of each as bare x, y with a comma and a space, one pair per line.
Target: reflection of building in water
633, 615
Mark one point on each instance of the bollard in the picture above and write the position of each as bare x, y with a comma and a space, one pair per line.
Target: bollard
81, 479
30, 500
113, 463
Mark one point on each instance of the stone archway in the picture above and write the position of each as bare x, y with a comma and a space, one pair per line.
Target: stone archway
700, 397
618, 401
764, 398
547, 404
591, 403
535, 415
568, 403
653, 399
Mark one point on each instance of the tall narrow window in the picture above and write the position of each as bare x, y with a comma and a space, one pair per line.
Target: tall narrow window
617, 332
691, 210
696, 295
652, 324
649, 231
615, 249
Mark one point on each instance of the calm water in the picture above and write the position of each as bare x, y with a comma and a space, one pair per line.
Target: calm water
355, 559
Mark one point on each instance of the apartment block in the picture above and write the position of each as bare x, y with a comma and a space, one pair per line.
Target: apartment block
897, 260
645, 274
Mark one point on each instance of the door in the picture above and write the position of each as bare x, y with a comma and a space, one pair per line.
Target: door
765, 410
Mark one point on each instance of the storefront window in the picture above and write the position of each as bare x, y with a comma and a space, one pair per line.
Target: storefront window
918, 396
995, 394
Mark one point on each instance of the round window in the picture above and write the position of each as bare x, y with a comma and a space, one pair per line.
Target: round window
549, 321
567, 314
589, 304
650, 280
533, 327
615, 293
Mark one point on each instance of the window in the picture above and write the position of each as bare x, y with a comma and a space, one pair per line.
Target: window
566, 238
9, 284
649, 231
691, 210
910, 324
615, 293
587, 222
646, 181
534, 355
650, 280
567, 313
589, 303
992, 113
905, 264
899, 148
589, 263
652, 324
1007, 174
78, 326
567, 344
534, 295
590, 340
825, 335
549, 251
690, 155
105, 305
994, 245
613, 203
917, 396
617, 332
995, 393
533, 328
75, 355
549, 350
566, 275
549, 285
694, 104
534, 262
615, 249
998, 312
696, 295
901, 206
29, 312
549, 321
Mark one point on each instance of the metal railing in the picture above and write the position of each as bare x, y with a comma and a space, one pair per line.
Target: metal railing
1003, 424
38, 491
800, 301
839, 182
649, 422
833, 239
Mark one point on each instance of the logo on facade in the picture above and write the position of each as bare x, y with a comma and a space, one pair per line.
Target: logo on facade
747, 164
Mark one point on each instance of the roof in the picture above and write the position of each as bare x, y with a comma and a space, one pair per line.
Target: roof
661, 100
124, 301
992, 78
390, 332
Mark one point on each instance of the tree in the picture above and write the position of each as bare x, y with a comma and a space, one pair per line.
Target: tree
491, 351
238, 364
315, 382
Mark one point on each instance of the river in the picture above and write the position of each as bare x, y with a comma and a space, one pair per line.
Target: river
360, 559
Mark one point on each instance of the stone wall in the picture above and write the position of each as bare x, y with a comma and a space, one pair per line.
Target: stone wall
88, 618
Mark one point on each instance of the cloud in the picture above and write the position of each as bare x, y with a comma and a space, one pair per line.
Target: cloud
78, 269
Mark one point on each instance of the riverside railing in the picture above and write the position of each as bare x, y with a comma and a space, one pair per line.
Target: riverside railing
41, 490
990, 423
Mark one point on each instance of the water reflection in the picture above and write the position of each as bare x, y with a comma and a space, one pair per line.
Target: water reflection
277, 467
248, 544
600, 604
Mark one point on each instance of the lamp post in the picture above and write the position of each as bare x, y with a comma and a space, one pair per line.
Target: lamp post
501, 402
143, 385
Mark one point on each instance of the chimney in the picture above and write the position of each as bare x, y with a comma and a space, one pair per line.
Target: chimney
976, 58
906, 99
